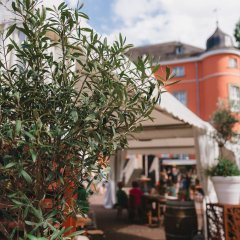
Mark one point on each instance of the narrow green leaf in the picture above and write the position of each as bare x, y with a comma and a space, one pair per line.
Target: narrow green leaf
9, 165
168, 72
10, 30
155, 68
9, 48
37, 212
173, 82
33, 155
18, 126
57, 234
31, 237
74, 116
28, 134
26, 176
16, 202
62, 5
30, 223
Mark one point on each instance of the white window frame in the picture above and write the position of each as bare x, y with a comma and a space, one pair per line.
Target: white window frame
179, 96
179, 50
234, 97
232, 63
179, 71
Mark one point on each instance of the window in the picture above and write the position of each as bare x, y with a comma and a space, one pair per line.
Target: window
232, 63
234, 97
179, 50
181, 96
179, 71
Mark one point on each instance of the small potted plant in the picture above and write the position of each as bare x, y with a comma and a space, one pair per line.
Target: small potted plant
225, 175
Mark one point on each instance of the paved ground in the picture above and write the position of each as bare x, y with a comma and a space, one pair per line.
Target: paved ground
120, 229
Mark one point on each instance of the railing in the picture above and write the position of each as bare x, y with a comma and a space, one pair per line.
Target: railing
223, 221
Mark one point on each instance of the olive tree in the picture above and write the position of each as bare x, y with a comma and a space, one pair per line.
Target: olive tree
223, 120
68, 101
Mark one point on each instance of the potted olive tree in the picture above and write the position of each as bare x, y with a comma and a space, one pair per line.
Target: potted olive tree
68, 102
225, 175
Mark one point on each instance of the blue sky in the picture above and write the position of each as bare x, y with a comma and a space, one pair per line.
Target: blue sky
101, 15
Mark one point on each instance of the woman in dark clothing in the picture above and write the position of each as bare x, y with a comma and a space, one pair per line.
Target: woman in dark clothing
122, 199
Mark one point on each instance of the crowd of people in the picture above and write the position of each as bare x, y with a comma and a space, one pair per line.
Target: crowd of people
177, 184
173, 184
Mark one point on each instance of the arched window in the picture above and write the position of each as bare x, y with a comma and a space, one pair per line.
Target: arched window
232, 63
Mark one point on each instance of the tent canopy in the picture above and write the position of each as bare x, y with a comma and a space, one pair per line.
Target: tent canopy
173, 129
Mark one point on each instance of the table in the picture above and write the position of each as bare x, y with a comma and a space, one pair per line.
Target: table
153, 204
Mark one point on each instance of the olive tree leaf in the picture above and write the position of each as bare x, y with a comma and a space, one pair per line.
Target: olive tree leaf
26, 176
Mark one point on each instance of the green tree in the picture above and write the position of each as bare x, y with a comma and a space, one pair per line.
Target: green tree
223, 120
237, 33
63, 113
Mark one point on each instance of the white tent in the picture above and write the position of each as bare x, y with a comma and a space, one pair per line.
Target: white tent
176, 130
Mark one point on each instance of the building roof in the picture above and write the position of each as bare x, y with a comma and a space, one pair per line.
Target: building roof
219, 40
165, 51
177, 50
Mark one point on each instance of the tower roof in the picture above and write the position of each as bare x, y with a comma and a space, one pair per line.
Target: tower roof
219, 39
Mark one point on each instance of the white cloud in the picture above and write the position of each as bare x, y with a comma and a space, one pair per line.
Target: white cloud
50, 3
189, 21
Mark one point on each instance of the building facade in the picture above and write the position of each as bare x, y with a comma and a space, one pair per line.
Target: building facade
206, 75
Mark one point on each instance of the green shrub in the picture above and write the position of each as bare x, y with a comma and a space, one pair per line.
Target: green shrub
224, 167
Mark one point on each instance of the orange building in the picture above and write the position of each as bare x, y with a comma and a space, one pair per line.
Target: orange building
206, 75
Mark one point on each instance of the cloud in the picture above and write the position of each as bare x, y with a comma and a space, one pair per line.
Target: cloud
131, 11
50, 3
189, 21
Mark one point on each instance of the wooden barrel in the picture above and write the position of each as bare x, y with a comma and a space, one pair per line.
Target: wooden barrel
180, 220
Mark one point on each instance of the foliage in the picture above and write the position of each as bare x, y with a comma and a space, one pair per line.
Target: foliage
225, 168
237, 33
68, 102
223, 120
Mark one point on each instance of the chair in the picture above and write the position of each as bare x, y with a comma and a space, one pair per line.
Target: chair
135, 212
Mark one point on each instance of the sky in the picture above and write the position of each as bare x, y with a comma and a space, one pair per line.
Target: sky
145, 22
154, 21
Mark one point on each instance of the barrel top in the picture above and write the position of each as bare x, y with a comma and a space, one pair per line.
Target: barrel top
180, 203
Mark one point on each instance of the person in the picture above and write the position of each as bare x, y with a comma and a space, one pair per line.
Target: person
171, 189
122, 199
135, 202
162, 183
174, 174
198, 197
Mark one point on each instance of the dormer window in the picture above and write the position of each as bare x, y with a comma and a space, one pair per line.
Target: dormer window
179, 50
